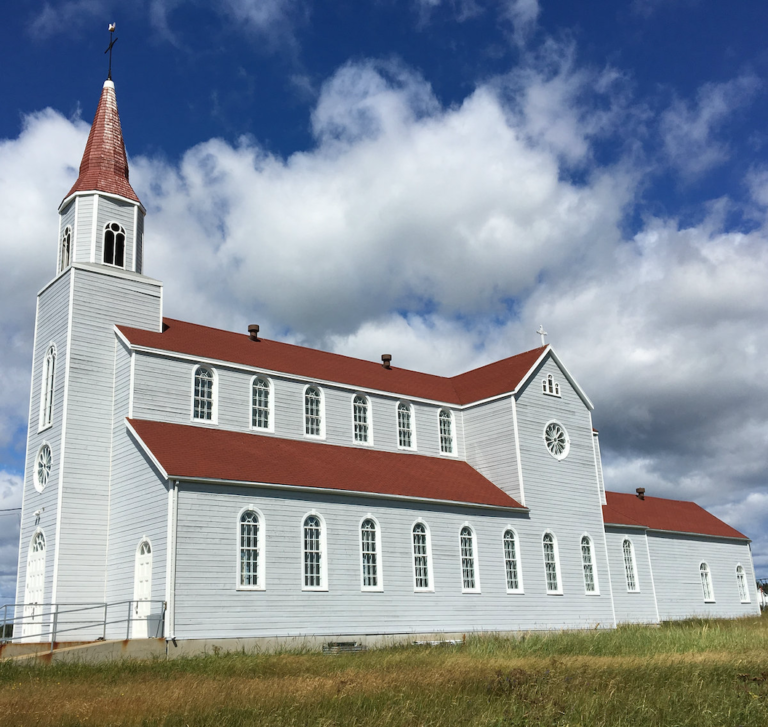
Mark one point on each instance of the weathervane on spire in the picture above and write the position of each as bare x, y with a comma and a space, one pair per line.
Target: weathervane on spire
112, 41
542, 333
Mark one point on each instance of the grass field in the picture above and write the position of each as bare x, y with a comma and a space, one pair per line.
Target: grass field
691, 673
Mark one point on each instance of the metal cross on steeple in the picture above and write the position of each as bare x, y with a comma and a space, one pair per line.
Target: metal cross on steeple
112, 41
542, 333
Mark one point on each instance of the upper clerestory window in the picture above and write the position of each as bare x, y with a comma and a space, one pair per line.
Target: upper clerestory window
203, 397
261, 404
405, 434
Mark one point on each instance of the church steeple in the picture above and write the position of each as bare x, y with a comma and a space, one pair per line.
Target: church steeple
101, 218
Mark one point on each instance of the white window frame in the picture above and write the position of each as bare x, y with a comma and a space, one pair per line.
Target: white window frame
558, 570
270, 408
379, 587
710, 582
430, 567
636, 589
214, 393
741, 572
596, 592
369, 410
33, 611
319, 389
261, 572
67, 231
409, 404
104, 244
452, 419
559, 457
43, 422
518, 558
39, 486
475, 560
547, 383
323, 552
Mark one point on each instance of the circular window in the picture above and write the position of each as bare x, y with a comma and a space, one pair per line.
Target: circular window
43, 467
556, 439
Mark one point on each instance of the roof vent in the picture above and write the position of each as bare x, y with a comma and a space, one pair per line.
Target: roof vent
640, 492
253, 331
386, 360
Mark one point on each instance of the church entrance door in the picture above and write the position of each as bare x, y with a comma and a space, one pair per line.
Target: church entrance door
34, 590
142, 591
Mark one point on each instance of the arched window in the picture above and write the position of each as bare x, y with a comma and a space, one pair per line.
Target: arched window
46, 395
313, 417
706, 583
741, 580
314, 555
360, 418
43, 465
467, 547
422, 567
550, 563
34, 591
370, 556
260, 404
587, 563
250, 550
66, 247
114, 245
203, 396
404, 425
629, 565
446, 431
511, 560
550, 386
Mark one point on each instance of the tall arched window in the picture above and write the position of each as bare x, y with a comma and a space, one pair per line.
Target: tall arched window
66, 247
706, 583
446, 432
422, 568
360, 418
34, 591
370, 556
313, 416
250, 550
46, 391
203, 394
741, 580
314, 553
629, 565
260, 404
404, 425
114, 245
588, 565
511, 560
550, 563
468, 568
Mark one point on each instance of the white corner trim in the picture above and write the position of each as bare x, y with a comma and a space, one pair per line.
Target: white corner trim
94, 227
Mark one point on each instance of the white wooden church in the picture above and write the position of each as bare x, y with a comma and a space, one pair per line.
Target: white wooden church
223, 485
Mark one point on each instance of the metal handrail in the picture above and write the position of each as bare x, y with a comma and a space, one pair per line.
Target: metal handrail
57, 610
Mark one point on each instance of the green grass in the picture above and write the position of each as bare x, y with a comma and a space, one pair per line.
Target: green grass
696, 672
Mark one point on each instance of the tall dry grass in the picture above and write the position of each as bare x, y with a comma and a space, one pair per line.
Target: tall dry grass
701, 673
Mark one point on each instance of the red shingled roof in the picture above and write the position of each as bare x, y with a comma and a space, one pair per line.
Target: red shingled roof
657, 513
211, 343
104, 167
195, 452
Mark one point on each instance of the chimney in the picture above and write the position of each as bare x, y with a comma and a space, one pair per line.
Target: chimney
640, 492
253, 331
386, 360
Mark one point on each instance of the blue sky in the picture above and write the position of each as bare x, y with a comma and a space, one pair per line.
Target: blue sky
451, 171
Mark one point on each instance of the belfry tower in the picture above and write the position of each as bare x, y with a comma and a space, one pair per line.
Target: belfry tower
99, 283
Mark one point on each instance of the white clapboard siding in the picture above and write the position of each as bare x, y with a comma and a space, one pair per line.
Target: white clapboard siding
208, 603
51, 327
83, 232
163, 392
67, 219
100, 301
563, 495
631, 606
676, 559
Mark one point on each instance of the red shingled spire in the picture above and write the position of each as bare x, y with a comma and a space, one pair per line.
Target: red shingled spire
104, 167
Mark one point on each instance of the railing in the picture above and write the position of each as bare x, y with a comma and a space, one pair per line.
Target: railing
26, 622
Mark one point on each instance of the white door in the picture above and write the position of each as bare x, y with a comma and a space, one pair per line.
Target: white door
34, 591
142, 590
